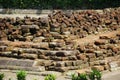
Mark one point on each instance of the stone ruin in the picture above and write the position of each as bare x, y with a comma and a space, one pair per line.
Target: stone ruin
54, 42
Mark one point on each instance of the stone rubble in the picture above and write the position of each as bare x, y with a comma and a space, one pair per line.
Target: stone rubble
51, 40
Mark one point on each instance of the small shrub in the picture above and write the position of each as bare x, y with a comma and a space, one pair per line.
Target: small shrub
21, 75
91, 76
98, 74
79, 77
50, 77
1, 76
74, 77
95, 74
82, 77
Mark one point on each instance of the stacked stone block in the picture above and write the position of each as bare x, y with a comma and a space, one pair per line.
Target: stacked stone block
50, 41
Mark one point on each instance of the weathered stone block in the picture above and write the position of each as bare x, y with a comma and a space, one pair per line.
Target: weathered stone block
79, 62
3, 48
91, 59
29, 56
68, 63
81, 56
113, 65
72, 57
89, 50
38, 39
90, 55
62, 53
102, 62
60, 64
100, 42
100, 68
29, 26
6, 54
42, 45
98, 53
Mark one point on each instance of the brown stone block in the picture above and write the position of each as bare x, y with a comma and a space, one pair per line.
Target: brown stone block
60, 64
29, 56
98, 53
90, 55
81, 56
100, 68
100, 42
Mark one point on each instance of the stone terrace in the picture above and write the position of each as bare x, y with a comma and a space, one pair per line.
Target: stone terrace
62, 41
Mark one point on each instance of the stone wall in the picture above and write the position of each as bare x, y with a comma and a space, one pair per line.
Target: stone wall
50, 40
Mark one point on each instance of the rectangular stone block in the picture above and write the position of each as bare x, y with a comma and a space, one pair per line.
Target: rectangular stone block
3, 48
79, 62
36, 69
90, 55
66, 53
42, 45
60, 64
6, 54
29, 26
100, 68
68, 63
29, 56
98, 53
15, 62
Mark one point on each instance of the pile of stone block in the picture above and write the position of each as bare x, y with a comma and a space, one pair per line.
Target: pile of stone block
51, 39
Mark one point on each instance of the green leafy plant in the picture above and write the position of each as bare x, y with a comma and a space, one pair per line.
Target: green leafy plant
82, 77
91, 75
74, 77
1, 76
50, 77
79, 77
95, 74
98, 74
21, 75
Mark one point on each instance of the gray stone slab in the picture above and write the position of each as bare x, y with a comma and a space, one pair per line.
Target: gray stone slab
40, 68
13, 62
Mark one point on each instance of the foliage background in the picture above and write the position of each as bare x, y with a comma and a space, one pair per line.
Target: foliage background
59, 4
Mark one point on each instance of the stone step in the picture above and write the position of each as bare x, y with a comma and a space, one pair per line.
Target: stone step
68, 63
62, 53
37, 69
16, 62
41, 45
29, 26
20, 64
4, 43
3, 48
29, 50
7, 54
19, 56
61, 67
65, 69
